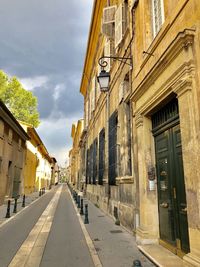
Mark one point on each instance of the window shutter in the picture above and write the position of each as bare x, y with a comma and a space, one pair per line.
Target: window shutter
121, 92
120, 23
123, 89
93, 94
86, 114
109, 51
98, 86
89, 107
108, 21
158, 15
10, 136
1, 128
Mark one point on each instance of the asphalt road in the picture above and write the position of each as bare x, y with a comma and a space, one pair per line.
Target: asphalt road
13, 234
66, 245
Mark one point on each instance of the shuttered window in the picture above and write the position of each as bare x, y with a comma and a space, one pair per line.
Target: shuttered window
98, 91
121, 17
91, 164
10, 136
101, 156
158, 15
112, 171
94, 174
1, 128
87, 167
86, 114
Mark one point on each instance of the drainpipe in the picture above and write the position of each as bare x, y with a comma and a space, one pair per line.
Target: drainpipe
134, 152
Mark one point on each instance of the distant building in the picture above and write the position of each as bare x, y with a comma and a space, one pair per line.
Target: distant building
54, 171
75, 155
37, 172
12, 155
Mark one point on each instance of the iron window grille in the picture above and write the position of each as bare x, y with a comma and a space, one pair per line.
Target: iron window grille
112, 170
101, 156
94, 174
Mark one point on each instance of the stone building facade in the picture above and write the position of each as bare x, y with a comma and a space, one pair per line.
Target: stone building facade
142, 137
76, 156
12, 155
39, 153
39, 167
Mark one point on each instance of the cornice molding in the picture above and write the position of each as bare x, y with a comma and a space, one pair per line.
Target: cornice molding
139, 120
178, 83
183, 41
183, 85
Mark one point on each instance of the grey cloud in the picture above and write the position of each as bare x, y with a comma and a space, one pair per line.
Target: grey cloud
42, 36
47, 38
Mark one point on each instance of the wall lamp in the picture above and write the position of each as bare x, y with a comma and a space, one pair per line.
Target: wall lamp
104, 77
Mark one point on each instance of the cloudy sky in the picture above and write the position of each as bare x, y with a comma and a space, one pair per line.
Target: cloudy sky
43, 43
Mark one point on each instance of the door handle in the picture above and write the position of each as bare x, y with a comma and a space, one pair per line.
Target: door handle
164, 205
184, 209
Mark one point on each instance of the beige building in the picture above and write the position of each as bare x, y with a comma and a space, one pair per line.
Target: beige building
75, 160
54, 171
142, 140
12, 155
40, 169
42, 174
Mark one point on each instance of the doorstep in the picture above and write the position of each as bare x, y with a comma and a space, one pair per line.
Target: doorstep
161, 256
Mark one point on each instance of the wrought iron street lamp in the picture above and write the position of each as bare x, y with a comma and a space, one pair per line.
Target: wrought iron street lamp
103, 80
104, 77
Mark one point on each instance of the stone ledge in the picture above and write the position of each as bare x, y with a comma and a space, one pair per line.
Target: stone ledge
162, 257
192, 259
125, 180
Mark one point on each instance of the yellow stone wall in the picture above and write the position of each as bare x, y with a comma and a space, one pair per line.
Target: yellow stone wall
30, 173
75, 152
173, 68
171, 65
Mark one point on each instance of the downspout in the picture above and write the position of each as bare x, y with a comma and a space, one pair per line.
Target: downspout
134, 140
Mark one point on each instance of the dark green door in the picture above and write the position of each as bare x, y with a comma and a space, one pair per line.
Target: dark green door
171, 189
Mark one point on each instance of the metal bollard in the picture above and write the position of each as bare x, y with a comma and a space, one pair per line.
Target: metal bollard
79, 202
86, 221
137, 263
74, 194
15, 206
81, 210
8, 210
23, 202
76, 200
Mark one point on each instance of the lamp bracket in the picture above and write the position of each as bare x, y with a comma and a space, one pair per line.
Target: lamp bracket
150, 54
103, 63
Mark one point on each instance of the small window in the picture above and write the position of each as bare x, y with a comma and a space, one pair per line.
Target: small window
10, 136
1, 128
158, 15
20, 144
0, 164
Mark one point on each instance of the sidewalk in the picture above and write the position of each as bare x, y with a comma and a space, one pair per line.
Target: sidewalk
29, 199
114, 245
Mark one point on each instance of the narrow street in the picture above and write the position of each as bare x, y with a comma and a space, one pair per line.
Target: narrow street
50, 232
